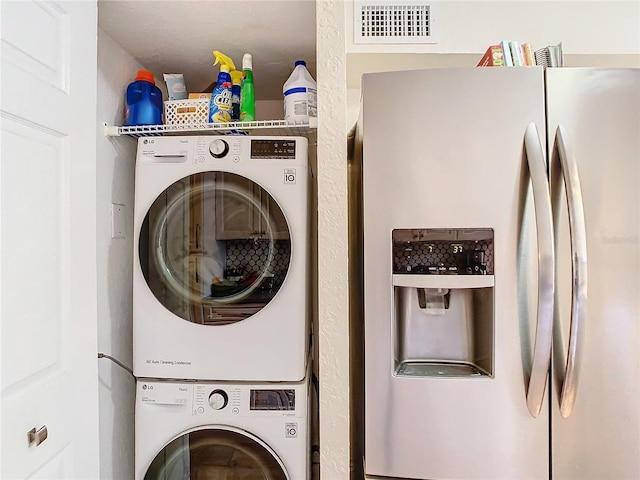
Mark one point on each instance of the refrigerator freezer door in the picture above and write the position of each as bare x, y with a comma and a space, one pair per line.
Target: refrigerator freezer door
599, 109
449, 155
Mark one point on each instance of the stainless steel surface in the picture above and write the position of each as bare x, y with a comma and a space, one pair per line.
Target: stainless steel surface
455, 327
440, 369
439, 169
600, 109
36, 437
563, 168
544, 229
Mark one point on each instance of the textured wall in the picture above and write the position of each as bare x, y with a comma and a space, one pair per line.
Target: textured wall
115, 173
605, 26
333, 321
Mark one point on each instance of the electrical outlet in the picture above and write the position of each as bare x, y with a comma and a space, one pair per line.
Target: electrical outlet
117, 221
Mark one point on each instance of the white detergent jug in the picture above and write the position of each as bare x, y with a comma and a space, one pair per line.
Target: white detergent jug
300, 95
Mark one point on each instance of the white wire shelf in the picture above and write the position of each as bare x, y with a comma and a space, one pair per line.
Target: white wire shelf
260, 127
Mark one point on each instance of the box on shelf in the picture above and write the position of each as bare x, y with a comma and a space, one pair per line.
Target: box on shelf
199, 96
186, 112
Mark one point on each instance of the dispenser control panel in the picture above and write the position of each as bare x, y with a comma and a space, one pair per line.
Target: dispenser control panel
443, 251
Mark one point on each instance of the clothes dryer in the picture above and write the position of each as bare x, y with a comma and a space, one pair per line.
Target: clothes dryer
228, 431
221, 235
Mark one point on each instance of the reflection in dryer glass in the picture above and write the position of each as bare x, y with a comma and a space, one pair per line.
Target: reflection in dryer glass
214, 248
212, 455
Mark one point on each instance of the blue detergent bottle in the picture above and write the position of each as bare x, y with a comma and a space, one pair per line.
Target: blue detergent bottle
221, 104
143, 105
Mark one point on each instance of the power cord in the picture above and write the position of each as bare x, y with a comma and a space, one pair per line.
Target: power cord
316, 386
117, 362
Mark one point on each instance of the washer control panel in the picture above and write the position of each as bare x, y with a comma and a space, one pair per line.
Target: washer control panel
217, 401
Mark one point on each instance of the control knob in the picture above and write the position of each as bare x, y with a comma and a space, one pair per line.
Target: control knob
218, 399
219, 148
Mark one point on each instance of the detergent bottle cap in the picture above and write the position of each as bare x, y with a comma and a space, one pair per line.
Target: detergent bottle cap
301, 62
247, 62
236, 76
145, 75
226, 64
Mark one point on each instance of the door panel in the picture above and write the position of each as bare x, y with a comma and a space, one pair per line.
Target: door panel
216, 453
459, 165
48, 264
190, 265
36, 158
600, 111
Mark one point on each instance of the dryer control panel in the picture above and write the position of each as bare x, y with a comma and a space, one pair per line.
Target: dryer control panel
273, 148
237, 148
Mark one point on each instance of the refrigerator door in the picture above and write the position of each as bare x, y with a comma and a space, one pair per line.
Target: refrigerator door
597, 112
445, 149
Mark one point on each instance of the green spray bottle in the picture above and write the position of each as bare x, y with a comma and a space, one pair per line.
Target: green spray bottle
247, 93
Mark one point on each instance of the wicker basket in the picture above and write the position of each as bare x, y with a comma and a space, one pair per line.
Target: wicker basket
186, 112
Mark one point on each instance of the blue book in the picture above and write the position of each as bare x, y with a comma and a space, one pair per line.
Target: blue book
508, 59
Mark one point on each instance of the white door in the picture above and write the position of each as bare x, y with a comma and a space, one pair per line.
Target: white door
48, 240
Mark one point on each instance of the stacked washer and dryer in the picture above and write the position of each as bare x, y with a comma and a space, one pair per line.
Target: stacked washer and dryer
221, 308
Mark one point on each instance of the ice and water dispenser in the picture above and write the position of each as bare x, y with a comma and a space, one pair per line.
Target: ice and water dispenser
443, 302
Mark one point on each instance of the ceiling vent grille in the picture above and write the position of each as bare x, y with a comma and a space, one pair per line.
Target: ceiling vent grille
383, 21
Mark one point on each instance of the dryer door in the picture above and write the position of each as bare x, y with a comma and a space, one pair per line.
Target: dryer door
216, 452
215, 248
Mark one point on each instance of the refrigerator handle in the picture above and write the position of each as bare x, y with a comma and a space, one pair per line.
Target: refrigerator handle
565, 169
546, 280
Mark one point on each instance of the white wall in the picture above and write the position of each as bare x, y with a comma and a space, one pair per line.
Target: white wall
115, 173
583, 27
269, 109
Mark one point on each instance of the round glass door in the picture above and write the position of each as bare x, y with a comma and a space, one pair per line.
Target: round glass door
216, 453
214, 248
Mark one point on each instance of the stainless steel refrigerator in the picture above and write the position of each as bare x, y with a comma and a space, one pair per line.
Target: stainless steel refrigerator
501, 266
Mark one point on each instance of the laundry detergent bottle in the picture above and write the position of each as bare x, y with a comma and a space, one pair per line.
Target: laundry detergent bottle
236, 82
300, 95
143, 102
221, 105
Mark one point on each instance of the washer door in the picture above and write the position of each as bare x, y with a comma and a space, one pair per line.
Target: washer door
214, 248
216, 453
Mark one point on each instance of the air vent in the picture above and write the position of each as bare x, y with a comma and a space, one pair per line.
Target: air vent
387, 21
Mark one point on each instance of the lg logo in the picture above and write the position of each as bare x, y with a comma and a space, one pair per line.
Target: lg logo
289, 176
291, 430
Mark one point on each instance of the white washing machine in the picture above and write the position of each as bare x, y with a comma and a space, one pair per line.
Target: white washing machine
222, 431
221, 258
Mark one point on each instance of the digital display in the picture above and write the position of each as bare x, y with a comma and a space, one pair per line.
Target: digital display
438, 251
279, 148
455, 248
272, 400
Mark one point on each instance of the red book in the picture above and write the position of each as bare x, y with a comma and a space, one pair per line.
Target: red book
493, 57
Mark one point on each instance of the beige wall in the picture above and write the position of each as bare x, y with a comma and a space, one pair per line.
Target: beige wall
333, 339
